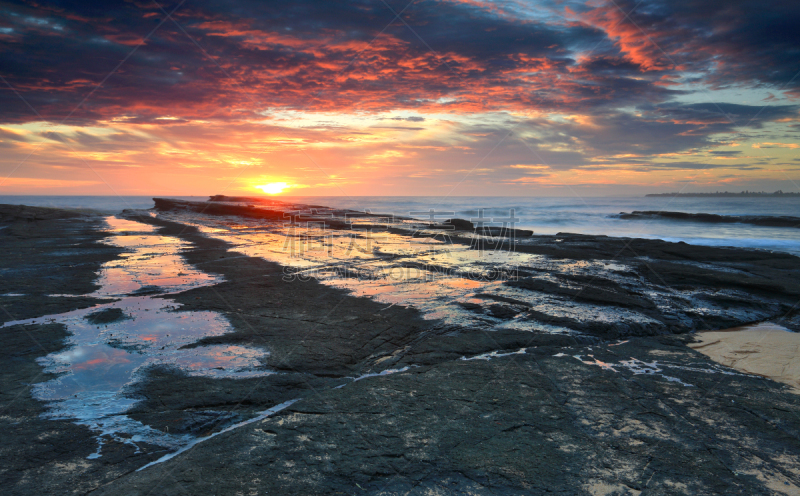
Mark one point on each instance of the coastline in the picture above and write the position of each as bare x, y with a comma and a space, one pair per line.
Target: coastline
555, 415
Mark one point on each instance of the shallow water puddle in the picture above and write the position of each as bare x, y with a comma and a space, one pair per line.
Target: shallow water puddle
151, 261
453, 283
430, 274
110, 343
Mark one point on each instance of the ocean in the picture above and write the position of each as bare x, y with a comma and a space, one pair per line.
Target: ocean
545, 215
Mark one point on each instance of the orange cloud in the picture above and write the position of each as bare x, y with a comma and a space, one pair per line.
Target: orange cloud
638, 46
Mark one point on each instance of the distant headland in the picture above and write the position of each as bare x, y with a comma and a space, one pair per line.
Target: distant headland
725, 194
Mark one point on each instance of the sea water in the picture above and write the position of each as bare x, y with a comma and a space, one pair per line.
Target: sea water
600, 215
545, 215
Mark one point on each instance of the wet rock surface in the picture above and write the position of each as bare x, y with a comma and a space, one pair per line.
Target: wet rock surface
171, 400
41, 455
333, 336
48, 251
543, 421
50, 258
23, 213
573, 378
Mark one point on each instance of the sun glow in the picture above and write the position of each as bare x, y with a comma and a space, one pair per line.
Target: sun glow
273, 188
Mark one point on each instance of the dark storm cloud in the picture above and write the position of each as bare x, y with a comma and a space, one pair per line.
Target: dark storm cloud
276, 54
732, 42
724, 113
668, 128
632, 138
755, 41
344, 56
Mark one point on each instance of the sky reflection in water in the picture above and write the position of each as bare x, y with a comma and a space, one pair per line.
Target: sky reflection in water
102, 360
452, 283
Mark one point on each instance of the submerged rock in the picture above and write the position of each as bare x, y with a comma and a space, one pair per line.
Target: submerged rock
461, 224
106, 316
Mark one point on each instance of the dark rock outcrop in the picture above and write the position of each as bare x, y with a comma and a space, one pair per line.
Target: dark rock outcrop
756, 220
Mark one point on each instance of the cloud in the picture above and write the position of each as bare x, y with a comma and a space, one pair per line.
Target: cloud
53, 136
9, 135
38, 183
308, 55
556, 87
399, 128
316, 55
793, 146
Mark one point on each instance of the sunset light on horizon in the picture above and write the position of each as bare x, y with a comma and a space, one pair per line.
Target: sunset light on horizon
400, 247
447, 97
273, 188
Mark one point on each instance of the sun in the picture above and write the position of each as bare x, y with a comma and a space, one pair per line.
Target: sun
273, 188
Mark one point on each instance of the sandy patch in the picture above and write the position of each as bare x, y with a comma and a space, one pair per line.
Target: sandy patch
763, 349
602, 488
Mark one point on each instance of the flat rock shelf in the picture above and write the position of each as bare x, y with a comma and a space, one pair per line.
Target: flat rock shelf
239, 346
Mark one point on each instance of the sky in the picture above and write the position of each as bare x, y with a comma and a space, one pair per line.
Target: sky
391, 97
